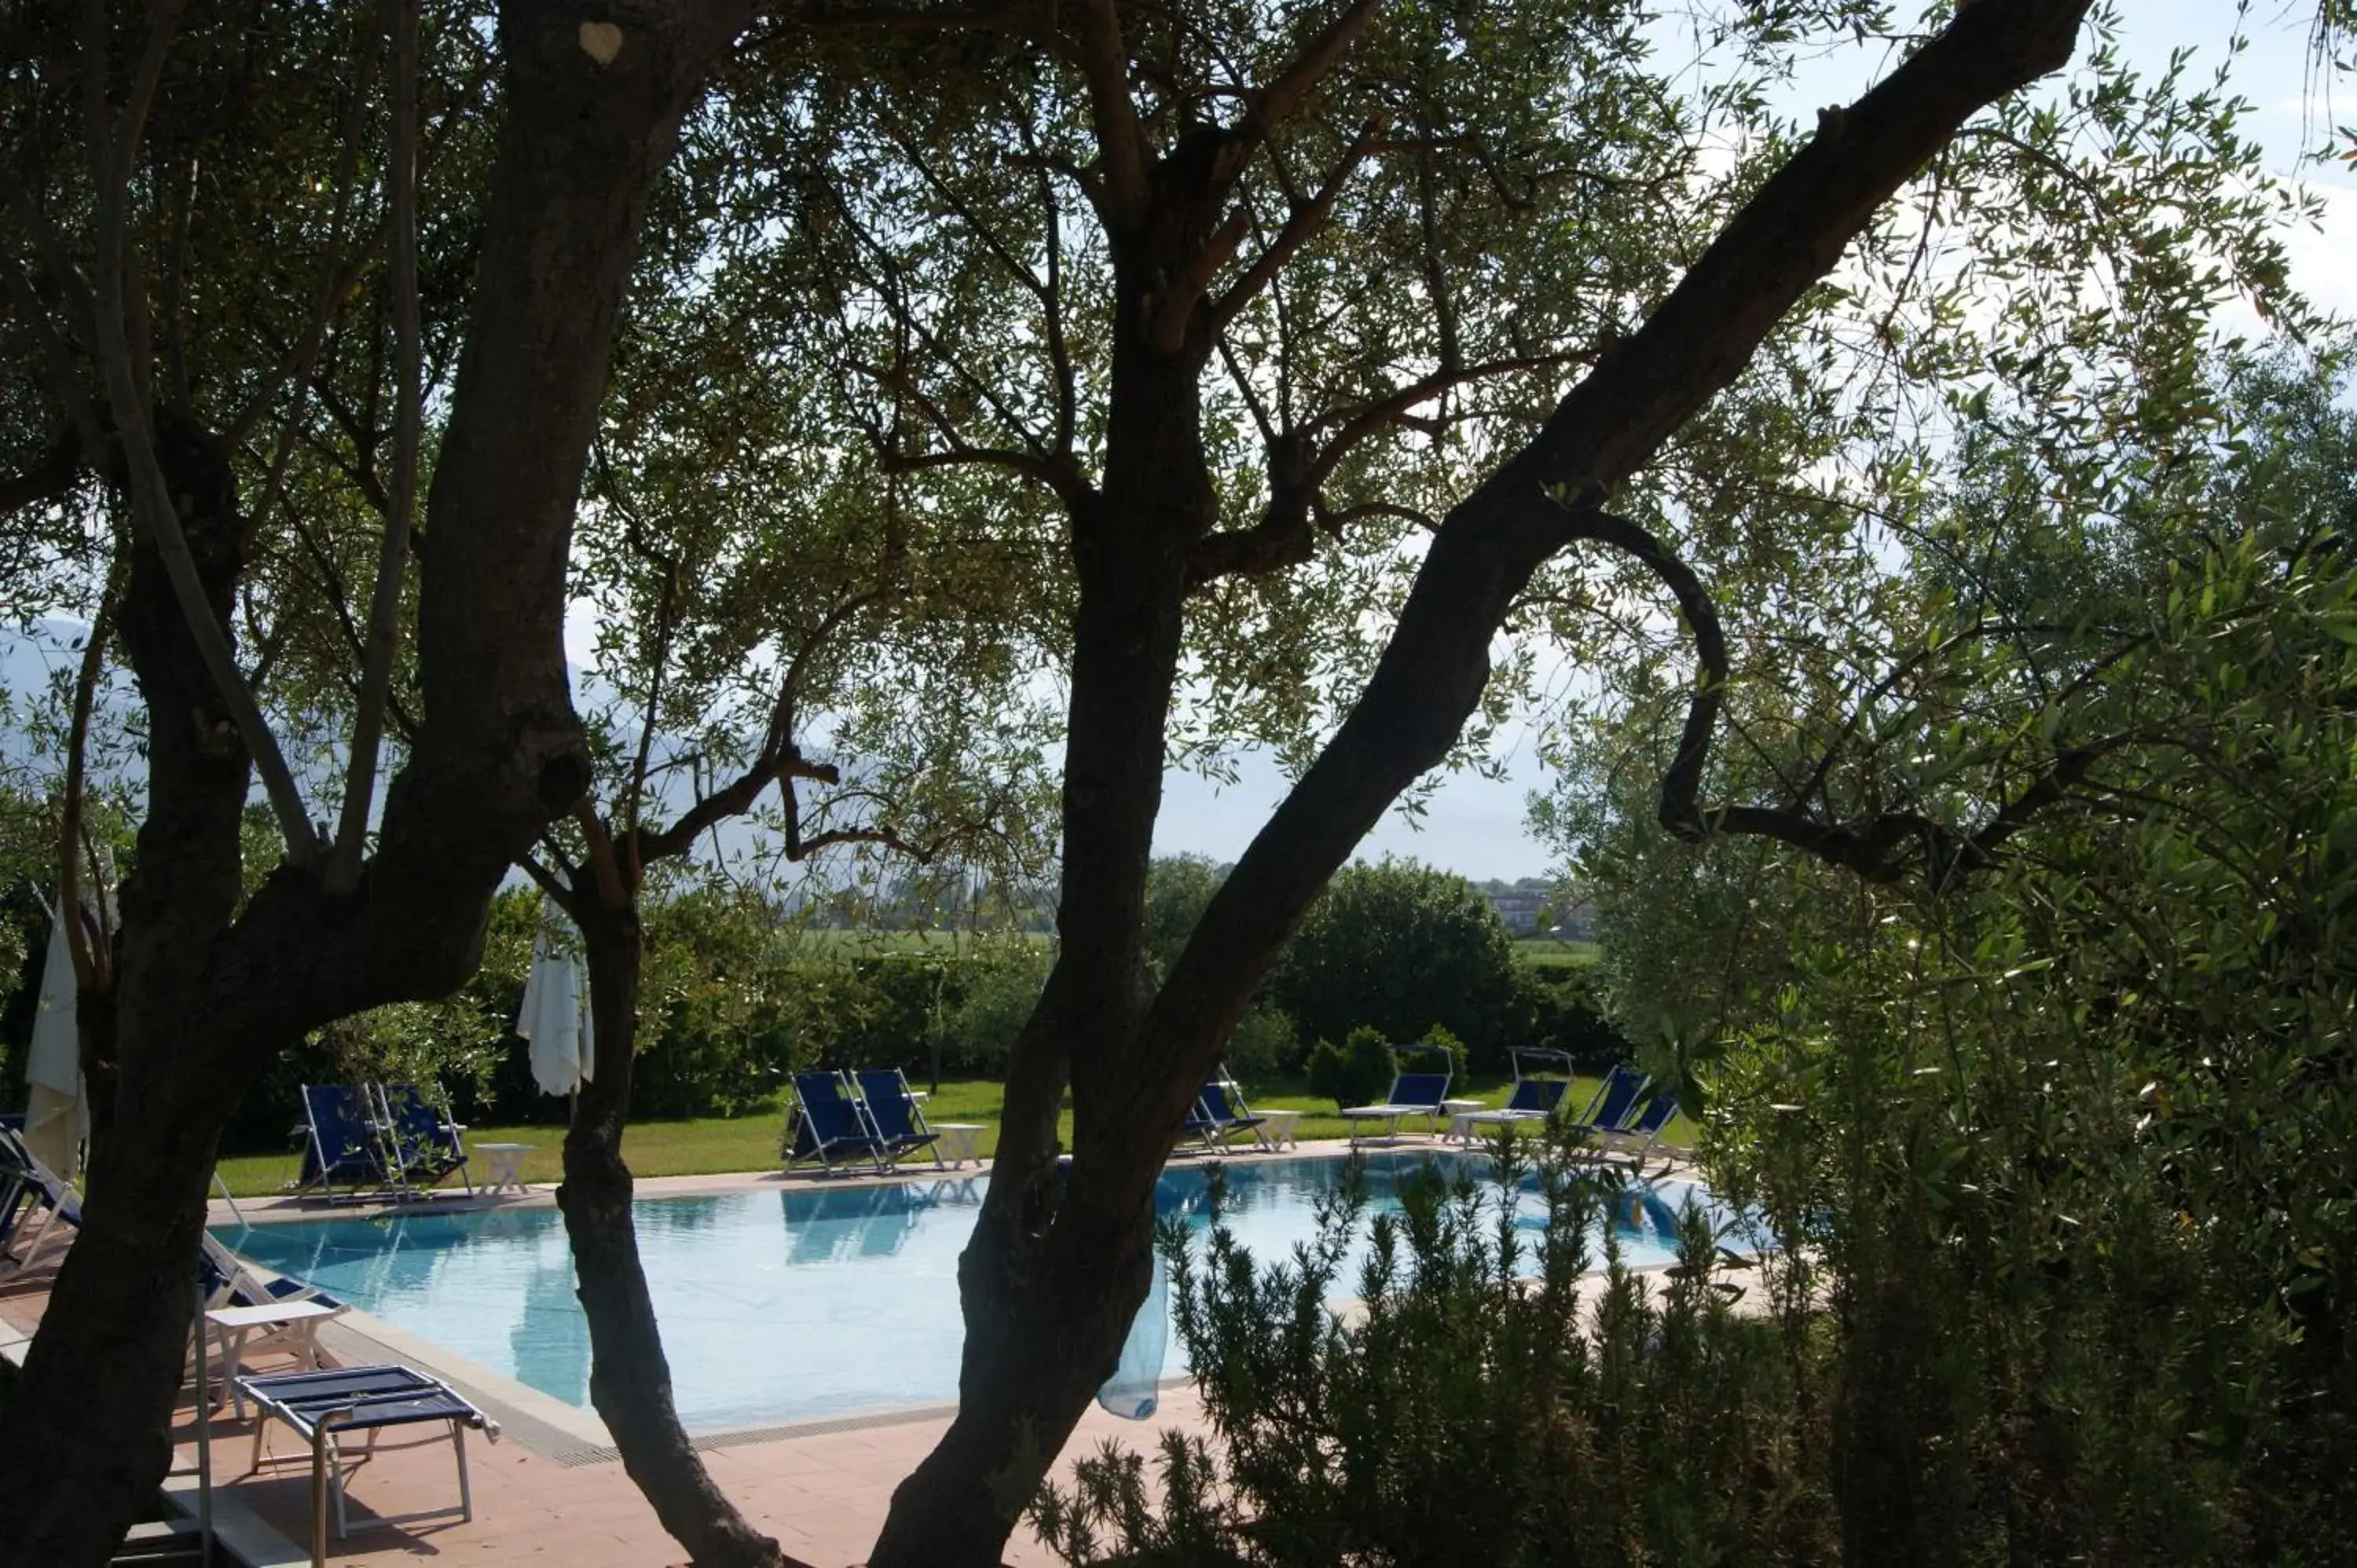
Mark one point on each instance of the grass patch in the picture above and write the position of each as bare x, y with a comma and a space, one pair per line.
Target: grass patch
1553, 952
750, 1143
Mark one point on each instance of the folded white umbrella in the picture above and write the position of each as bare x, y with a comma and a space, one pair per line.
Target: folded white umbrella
57, 1110
555, 1012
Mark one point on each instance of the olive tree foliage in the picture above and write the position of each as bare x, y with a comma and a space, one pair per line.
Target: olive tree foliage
1409, 264
1250, 297
1987, 438
2057, 1121
258, 301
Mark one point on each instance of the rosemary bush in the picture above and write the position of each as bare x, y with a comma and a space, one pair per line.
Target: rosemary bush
1487, 1399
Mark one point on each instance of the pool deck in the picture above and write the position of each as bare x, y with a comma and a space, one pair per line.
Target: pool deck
552, 1490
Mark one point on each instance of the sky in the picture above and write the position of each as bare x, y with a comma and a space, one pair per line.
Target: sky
1475, 826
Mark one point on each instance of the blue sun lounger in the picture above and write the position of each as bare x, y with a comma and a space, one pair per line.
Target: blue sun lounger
424, 1145
341, 1143
1631, 1143
231, 1283
894, 1116
1614, 1103
1534, 1098
829, 1124
1220, 1113
28, 1187
323, 1406
1412, 1094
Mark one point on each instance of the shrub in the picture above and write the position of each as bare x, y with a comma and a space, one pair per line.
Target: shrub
1179, 889
1000, 991
1357, 1072
1400, 946
1437, 1035
1473, 1413
1558, 1008
1263, 1044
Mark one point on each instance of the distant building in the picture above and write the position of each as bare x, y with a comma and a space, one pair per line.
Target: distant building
1519, 908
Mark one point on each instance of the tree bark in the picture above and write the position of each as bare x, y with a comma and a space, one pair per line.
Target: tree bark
630, 1380
1051, 1280
99, 1379
206, 1001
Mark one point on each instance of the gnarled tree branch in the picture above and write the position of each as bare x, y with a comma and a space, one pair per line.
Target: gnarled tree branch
113, 149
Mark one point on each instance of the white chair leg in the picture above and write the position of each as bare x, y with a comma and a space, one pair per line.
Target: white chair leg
465, 1494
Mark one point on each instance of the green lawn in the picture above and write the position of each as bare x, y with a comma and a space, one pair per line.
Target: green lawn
750, 1143
1552, 953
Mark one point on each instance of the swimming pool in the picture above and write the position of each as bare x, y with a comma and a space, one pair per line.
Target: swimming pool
776, 1305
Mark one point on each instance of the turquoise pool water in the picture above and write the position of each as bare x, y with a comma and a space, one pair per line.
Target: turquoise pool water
776, 1305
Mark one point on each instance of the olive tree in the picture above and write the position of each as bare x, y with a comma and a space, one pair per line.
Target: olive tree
1252, 261
165, 340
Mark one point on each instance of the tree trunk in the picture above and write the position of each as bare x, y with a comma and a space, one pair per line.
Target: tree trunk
101, 1068
629, 1382
96, 1400
1049, 1279
589, 117
1045, 1318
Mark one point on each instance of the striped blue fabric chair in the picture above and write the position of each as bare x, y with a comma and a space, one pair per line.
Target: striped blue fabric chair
425, 1145
829, 1126
894, 1116
342, 1143
1220, 1113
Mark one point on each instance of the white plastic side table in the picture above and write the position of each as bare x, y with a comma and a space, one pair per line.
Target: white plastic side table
1281, 1125
291, 1325
958, 1141
503, 1162
1460, 1129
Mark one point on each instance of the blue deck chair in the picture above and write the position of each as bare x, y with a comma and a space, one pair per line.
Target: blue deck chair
426, 1144
18, 1196
1413, 1093
1631, 1143
829, 1125
32, 1189
1535, 1099
320, 1406
894, 1116
1220, 1113
341, 1143
1614, 1103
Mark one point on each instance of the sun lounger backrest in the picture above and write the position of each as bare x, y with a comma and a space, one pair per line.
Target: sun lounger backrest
1609, 1111
1420, 1089
1538, 1095
890, 1106
1221, 1107
416, 1115
831, 1112
341, 1143
1656, 1114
